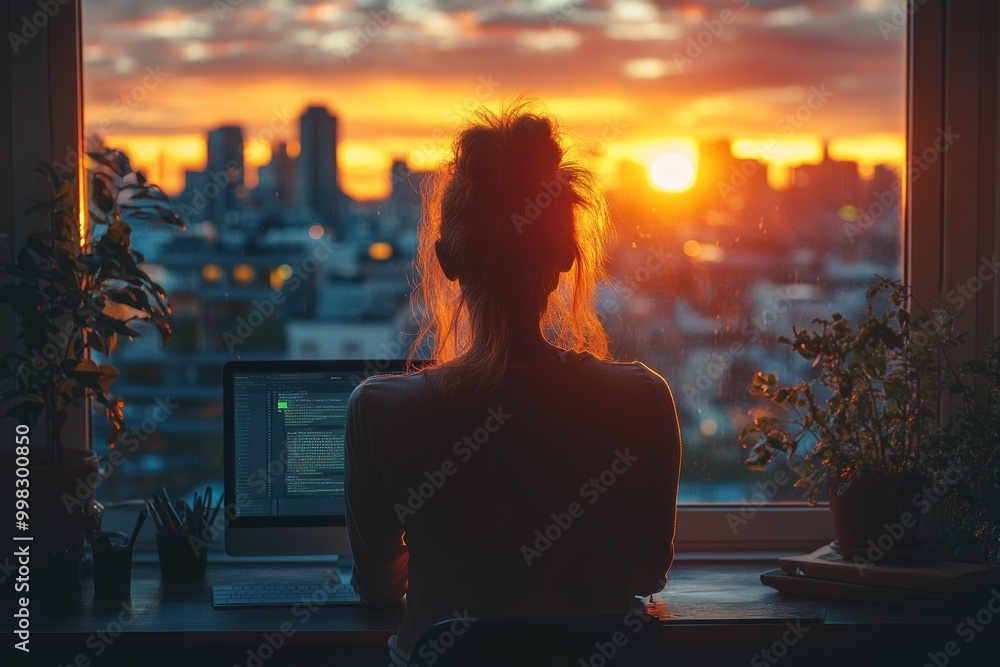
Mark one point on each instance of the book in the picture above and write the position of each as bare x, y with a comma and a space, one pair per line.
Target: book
922, 574
797, 584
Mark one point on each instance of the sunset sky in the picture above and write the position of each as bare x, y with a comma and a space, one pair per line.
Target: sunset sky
631, 79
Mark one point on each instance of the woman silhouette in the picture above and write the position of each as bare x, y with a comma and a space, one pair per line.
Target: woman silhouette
522, 473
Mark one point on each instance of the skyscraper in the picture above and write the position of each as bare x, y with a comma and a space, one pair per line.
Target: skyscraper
224, 168
276, 180
319, 191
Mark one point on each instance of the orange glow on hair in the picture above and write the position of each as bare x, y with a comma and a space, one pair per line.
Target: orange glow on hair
510, 213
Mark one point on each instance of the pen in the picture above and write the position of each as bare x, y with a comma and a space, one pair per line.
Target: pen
174, 517
190, 516
216, 510
165, 516
138, 527
156, 517
199, 511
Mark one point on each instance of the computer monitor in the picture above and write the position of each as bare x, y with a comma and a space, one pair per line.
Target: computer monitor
284, 454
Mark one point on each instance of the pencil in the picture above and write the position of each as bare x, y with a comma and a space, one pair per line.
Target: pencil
138, 527
172, 512
216, 510
156, 517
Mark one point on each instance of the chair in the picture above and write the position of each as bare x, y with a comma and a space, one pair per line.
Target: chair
624, 639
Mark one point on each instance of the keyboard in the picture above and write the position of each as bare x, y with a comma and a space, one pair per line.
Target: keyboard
282, 595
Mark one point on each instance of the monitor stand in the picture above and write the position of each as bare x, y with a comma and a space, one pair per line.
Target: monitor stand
345, 568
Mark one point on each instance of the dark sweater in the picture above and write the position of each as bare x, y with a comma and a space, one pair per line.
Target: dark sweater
555, 495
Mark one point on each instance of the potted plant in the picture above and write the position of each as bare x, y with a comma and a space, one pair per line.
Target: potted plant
970, 527
868, 416
71, 294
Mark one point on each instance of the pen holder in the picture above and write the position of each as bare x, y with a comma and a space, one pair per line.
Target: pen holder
112, 571
182, 560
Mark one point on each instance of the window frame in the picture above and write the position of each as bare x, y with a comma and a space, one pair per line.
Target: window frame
951, 58
950, 221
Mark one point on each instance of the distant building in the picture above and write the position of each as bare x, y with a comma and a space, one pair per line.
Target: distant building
193, 202
224, 168
276, 181
820, 193
730, 183
401, 212
319, 189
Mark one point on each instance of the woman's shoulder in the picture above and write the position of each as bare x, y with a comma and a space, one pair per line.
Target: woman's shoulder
388, 390
632, 372
629, 378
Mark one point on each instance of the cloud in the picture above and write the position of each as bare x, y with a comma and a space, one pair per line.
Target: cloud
408, 70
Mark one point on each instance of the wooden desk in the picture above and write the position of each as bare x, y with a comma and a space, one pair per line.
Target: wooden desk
179, 626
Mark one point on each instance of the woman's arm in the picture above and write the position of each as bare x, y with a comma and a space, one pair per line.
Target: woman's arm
374, 530
657, 551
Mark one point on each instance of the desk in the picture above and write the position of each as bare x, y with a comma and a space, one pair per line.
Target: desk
179, 626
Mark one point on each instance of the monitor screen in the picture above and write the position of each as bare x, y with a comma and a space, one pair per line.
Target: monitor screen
284, 453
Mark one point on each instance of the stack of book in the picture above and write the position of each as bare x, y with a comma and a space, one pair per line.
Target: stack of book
922, 582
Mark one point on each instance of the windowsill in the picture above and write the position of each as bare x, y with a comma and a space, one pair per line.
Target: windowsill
180, 624
720, 557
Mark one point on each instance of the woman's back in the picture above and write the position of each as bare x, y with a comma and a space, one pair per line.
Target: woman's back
521, 474
554, 494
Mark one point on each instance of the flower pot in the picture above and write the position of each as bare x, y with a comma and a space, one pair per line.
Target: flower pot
876, 514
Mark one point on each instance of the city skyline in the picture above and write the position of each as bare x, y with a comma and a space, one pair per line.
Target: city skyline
294, 178
629, 79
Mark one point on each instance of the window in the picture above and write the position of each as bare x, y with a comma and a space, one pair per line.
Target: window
752, 154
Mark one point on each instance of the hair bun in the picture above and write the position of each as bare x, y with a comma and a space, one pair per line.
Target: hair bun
533, 148
524, 155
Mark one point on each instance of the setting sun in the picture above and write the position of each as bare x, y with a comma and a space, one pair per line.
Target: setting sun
672, 172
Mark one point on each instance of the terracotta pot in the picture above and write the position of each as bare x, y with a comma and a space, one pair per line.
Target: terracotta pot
876, 512
58, 492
